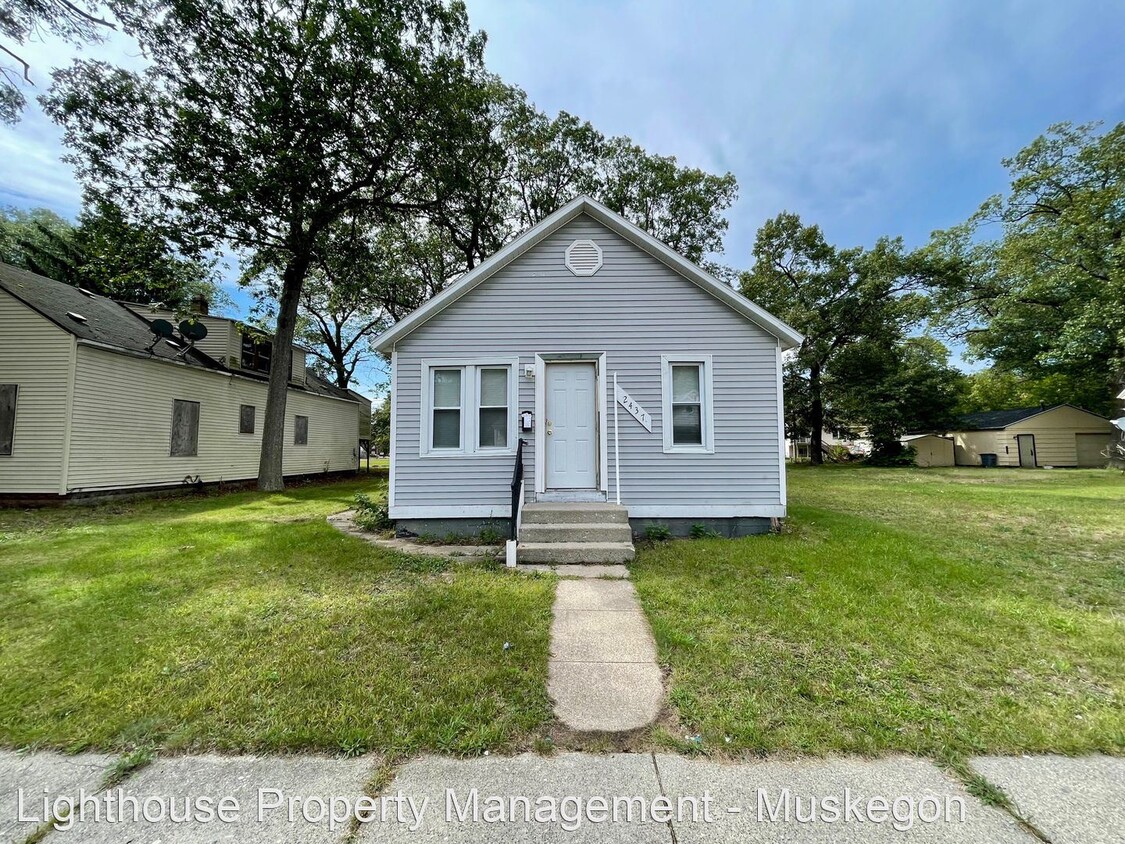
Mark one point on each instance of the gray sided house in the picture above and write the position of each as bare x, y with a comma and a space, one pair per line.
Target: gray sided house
93, 402
528, 345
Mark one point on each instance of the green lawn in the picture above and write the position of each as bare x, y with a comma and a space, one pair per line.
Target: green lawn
939, 612
245, 622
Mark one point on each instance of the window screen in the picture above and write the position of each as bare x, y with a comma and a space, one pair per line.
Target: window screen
687, 405
493, 411
447, 408
300, 430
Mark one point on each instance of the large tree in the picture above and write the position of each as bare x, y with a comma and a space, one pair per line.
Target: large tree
1041, 287
258, 125
21, 20
893, 386
834, 297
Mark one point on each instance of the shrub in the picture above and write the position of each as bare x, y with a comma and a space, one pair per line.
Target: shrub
893, 457
839, 453
701, 531
372, 515
657, 533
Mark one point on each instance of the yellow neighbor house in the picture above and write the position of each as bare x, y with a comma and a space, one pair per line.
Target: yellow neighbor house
1030, 437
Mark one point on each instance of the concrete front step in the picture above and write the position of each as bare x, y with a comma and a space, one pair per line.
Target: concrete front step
551, 513
576, 532
569, 553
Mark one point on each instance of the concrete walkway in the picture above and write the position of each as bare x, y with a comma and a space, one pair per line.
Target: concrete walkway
602, 673
567, 797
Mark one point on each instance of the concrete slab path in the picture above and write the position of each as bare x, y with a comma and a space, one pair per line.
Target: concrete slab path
1070, 800
602, 673
633, 782
37, 774
575, 797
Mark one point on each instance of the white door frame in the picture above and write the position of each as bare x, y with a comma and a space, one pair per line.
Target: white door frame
600, 415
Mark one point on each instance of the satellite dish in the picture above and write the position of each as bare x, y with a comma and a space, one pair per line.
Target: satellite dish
193, 331
162, 328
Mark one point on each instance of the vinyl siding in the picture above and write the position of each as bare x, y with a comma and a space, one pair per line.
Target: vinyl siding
1055, 438
932, 451
221, 343
635, 309
122, 418
968, 446
1054, 431
36, 355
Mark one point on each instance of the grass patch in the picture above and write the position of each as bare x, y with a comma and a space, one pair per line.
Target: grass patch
246, 623
938, 612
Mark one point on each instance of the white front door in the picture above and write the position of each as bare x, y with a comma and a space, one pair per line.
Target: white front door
571, 426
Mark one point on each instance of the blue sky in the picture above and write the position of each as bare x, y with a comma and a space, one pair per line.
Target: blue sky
867, 118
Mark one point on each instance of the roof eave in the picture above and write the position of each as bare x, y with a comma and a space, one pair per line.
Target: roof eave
786, 335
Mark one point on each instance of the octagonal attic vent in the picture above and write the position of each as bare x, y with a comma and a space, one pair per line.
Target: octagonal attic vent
583, 257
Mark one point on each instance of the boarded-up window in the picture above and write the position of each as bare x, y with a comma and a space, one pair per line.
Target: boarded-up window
185, 428
300, 430
246, 419
7, 417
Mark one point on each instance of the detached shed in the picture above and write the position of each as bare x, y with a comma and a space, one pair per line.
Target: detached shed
1059, 436
931, 449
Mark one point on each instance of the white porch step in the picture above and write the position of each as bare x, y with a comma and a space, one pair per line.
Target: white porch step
576, 532
569, 553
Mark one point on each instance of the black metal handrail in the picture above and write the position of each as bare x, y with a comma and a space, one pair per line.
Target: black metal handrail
517, 487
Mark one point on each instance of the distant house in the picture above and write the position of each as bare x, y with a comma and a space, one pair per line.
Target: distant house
1059, 436
93, 401
930, 449
858, 445
528, 346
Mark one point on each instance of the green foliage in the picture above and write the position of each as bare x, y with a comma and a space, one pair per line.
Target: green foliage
1046, 298
892, 454
372, 514
852, 305
491, 534
106, 254
657, 533
381, 427
995, 389
892, 388
261, 127
701, 531
74, 21
838, 453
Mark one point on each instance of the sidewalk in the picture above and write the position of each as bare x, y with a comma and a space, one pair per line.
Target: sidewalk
602, 673
568, 797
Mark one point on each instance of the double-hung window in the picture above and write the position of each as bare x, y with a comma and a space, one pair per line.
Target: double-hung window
688, 423
468, 408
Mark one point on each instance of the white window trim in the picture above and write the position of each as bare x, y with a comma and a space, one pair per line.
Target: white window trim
707, 403
470, 406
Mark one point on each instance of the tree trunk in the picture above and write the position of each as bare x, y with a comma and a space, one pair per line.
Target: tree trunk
270, 474
816, 417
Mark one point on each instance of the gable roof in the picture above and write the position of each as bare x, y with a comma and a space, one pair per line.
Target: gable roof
995, 420
110, 323
615, 223
104, 320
